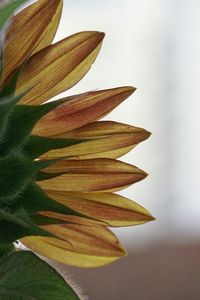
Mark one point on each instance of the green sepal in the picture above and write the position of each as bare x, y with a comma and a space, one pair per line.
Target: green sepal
6, 106
18, 225
8, 100
7, 10
16, 171
39, 176
20, 122
1, 55
44, 220
8, 90
37, 145
25, 276
45, 163
34, 199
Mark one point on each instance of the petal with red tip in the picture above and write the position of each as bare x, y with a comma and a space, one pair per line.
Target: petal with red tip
104, 139
80, 110
111, 209
30, 30
58, 67
91, 175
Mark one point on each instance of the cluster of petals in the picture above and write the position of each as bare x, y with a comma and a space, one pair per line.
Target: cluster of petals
89, 173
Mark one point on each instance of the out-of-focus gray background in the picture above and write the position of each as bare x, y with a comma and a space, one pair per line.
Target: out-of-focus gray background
155, 46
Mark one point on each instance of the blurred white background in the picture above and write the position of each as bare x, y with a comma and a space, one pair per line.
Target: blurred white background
155, 46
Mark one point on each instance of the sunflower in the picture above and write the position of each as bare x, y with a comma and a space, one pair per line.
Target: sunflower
58, 164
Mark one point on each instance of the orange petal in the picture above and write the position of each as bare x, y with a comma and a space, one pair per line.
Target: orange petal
91, 175
80, 110
59, 66
31, 29
49, 34
112, 209
81, 246
103, 139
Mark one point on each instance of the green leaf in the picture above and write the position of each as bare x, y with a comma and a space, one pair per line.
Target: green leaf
24, 276
5, 250
6, 10
37, 145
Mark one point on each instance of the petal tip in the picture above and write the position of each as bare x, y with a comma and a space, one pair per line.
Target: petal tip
143, 174
147, 134
130, 89
122, 252
101, 35
150, 218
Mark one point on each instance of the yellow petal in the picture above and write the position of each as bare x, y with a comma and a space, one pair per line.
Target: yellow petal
102, 129
110, 154
26, 32
112, 209
103, 139
91, 175
81, 246
49, 34
80, 110
59, 66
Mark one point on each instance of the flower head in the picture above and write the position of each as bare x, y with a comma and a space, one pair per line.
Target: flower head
58, 196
